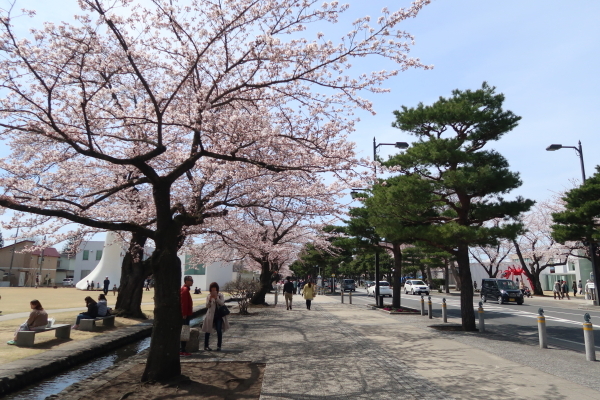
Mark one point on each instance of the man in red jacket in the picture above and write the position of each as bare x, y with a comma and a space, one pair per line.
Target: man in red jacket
186, 307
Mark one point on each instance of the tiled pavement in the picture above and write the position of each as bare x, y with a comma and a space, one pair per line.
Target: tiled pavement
312, 355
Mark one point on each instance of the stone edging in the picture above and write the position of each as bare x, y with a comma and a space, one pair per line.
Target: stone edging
29, 370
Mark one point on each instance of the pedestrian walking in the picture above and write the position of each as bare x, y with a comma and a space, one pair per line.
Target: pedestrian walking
213, 320
106, 285
556, 290
565, 289
295, 287
185, 298
148, 284
115, 289
575, 289
308, 291
37, 281
474, 286
98, 285
38, 319
288, 293
580, 287
88, 285
522, 287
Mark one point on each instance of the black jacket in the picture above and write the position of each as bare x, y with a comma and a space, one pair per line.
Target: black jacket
288, 287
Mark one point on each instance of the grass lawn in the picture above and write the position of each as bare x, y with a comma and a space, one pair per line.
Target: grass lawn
16, 300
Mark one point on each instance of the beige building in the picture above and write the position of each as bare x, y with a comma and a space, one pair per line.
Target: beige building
22, 268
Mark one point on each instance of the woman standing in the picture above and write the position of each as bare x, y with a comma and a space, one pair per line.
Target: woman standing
213, 321
38, 318
308, 291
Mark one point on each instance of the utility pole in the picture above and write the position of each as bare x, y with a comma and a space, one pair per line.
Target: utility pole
12, 256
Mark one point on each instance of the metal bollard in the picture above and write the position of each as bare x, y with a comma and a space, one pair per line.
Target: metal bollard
429, 308
342, 297
542, 329
588, 338
422, 305
276, 294
444, 310
481, 321
350, 297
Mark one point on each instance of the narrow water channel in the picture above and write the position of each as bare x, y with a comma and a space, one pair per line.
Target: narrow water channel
58, 383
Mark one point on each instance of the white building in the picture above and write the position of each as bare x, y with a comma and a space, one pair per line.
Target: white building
82, 263
203, 275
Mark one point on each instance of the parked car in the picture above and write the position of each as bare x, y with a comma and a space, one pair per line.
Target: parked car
501, 290
384, 289
347, 284
416, 286
68, 282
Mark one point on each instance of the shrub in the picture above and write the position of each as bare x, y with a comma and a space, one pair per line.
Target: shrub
241, 290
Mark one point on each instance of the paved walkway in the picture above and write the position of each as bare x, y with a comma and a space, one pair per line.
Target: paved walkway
340, 351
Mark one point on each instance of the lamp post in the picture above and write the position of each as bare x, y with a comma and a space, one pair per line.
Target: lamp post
592, 247
400, 145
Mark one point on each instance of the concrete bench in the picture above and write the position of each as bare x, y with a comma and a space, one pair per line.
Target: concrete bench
90, 324
27, 338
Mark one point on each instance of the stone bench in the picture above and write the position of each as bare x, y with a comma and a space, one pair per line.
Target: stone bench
90, 324
27, 338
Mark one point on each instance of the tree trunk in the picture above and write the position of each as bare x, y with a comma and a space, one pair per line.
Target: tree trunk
163, 358
133, 273
466, 289
266, 280
397, 294
456, 275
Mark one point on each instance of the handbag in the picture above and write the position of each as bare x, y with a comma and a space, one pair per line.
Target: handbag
222, 311
185, 333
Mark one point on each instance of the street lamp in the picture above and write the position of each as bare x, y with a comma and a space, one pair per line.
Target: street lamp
400, 145
592, 247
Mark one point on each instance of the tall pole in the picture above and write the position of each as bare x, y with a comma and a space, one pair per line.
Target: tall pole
12, 256
592, 246
376, 250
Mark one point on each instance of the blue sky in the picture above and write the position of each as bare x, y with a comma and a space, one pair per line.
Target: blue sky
542, 54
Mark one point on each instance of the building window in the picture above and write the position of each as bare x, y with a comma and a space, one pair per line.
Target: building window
86, 254
572, 266
98, 254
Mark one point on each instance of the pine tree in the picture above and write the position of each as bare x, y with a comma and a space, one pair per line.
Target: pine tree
462, 182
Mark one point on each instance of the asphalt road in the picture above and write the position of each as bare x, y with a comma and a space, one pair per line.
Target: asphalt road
563, 324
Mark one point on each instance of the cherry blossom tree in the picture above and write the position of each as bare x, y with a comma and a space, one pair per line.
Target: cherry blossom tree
270, 237
536, 249
490, 257
141, 100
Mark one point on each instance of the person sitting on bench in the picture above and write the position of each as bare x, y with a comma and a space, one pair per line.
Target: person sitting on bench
92, 312
197, 290
103, 308
38, 319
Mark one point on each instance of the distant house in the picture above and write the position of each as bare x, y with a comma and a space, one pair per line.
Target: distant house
19, 268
